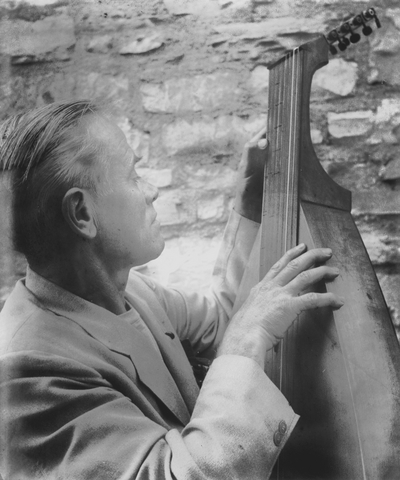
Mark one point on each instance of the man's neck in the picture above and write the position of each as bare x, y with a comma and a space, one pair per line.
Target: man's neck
88, 279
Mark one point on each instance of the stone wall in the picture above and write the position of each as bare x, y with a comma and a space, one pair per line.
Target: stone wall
188, 84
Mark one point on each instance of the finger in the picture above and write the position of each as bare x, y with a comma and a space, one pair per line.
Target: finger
308, 278
302, 263
261, 134
282, 262
312, 300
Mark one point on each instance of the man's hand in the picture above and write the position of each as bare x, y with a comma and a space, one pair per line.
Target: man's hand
275, 302
249, 190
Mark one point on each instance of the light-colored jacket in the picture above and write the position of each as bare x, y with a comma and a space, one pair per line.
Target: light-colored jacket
84, 394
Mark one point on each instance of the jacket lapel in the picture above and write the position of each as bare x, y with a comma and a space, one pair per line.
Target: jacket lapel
118, 336
152, 371
168, 342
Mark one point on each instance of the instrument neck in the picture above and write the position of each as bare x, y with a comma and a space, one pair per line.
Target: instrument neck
281, 188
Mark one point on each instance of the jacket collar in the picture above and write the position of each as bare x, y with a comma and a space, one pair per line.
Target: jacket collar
120, 337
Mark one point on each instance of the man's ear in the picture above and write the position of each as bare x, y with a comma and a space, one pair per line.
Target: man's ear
78, 209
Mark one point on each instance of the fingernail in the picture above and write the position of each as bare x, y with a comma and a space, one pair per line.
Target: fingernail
300, 246
328, 251
341, 300
336, 271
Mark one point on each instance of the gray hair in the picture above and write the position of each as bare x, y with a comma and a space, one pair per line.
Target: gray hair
47, 151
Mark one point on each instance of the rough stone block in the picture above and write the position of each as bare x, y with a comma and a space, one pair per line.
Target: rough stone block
58, 87
95, 85
384, 61
208, 134
390, 285
388, 112
138, 140
376, 203
193, 7
170, 208
338, 77
387, 119
12, 4
381, 252
160, 178
210, 177
386, 41
391, 171
394, 15
143, 43
187, 262
350, 124
316, 136
332, 2
259, 79
100, 44
201, 92
275, 29
211, 208
43, 40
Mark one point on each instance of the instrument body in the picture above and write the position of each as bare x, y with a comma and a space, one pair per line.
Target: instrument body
339, 370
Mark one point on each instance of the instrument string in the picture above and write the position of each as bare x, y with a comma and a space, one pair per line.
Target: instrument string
290, 65
279, 120
293, 189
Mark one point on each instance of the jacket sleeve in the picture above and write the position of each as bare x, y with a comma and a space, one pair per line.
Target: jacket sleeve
203, 318
66, 422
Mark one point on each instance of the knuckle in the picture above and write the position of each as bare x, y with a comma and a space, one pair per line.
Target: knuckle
266, 287
312, 299
276, 267
293, 264
305, 276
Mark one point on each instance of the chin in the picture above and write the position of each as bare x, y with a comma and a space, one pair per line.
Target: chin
154, 252
160, 249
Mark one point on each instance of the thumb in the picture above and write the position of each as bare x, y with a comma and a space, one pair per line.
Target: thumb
262, 143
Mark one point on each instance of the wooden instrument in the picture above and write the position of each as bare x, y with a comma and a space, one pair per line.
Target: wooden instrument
339, 370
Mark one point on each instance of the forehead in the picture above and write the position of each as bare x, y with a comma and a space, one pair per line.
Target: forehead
106, 132
112, 149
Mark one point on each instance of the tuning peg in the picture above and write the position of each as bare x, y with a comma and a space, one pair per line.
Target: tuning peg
354, 37
333, 49
366, 16
332, 36
342, 46
345, 28
367, 30
372, 13
346, 41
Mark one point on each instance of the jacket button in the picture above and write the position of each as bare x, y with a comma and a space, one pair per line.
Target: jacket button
282, 427
278, 438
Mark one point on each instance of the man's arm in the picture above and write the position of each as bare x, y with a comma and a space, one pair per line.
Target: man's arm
65, 420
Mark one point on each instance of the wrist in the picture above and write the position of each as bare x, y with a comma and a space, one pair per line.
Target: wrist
253, 344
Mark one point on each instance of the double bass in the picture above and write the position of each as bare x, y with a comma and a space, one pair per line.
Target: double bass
339, 370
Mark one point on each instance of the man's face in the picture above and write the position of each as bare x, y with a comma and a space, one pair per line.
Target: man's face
128, 232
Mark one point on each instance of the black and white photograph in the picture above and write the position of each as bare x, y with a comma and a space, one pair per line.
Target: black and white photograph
199, 240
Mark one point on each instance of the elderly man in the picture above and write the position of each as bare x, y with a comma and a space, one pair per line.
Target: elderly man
94, 381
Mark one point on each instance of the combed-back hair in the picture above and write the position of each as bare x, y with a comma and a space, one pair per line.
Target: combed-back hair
47, 151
